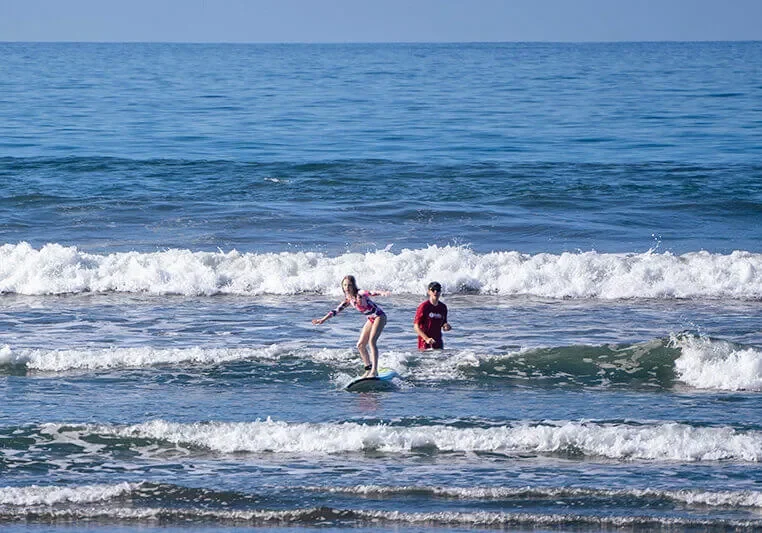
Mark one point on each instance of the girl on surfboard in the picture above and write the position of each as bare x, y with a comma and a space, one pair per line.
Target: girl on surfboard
372, 328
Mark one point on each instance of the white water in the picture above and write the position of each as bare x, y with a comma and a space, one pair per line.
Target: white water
667, 441
56, 269
703, 363
51, 495
720, 365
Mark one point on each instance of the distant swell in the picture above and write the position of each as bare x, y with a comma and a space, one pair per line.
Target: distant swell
56, 269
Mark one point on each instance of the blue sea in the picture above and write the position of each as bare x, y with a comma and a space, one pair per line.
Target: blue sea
172, 216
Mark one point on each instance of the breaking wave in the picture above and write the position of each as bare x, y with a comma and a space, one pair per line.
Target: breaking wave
662, 441
682, 358
57, 269
172, 504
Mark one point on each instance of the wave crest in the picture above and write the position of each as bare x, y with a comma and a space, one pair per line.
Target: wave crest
666, 441
716, 364
57, 269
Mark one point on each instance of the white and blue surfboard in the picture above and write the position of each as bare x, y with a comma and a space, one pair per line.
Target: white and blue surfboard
384, 381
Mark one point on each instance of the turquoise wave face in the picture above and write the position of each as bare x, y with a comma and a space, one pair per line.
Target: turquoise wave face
646, 365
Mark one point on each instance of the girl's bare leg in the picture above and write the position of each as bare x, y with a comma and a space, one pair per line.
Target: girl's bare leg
362, 345
375, 332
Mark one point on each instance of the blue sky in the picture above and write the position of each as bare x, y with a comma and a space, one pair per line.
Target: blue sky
260, 21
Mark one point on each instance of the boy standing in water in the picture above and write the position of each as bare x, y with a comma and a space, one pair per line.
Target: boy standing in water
431, 319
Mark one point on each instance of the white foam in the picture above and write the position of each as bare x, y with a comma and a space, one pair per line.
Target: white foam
391, 359
137, 357
68, 359
56, 269
36, 495
438, 365
9, 357
661, 441
731, 499
715, 364
326, 515
52, 495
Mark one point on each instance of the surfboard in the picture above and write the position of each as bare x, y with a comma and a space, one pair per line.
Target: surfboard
384, 381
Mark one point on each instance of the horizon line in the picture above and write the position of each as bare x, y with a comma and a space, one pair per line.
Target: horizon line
644, 41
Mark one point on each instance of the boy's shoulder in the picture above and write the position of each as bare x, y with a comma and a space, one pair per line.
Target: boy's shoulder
427, 304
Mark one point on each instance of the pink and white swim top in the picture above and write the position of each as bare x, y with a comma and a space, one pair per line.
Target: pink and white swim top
362, 303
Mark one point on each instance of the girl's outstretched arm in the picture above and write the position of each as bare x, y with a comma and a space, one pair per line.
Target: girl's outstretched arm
379, 293
318, 321
332, 312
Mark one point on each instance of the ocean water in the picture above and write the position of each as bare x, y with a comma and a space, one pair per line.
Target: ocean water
173, 216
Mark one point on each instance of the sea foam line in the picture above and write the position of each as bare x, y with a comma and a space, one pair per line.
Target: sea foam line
136, 357
327, 515
56, 269
692, 497
54, 495
667, 441
37, 495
